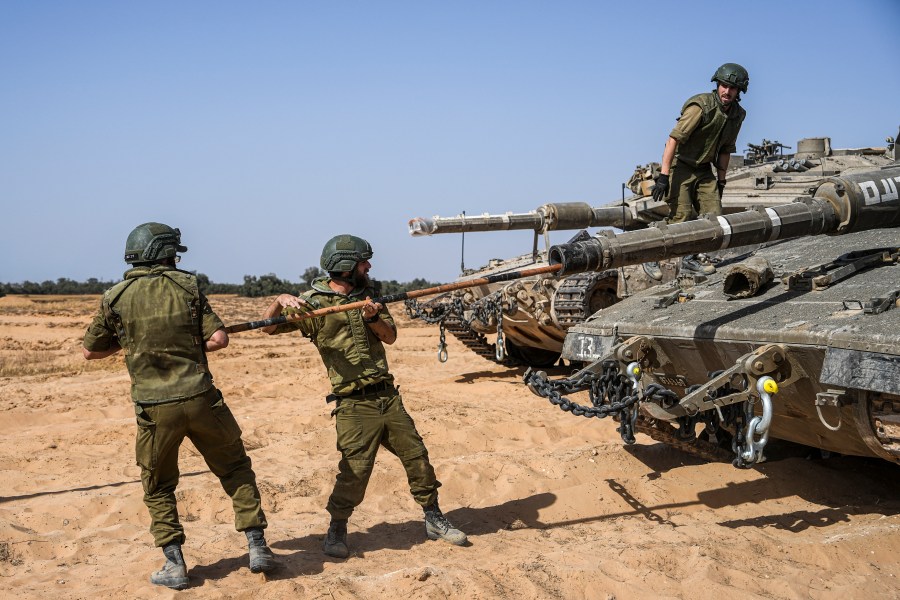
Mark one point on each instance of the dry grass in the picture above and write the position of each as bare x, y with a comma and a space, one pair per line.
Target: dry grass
54, 306
40, 362
28, 363
42, 336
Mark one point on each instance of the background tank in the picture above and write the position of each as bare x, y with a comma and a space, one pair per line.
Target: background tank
534, 314
529, 316
717, 365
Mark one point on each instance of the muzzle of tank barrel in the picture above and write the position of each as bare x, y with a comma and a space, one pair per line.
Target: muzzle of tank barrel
654, 243
421, 226
579, 257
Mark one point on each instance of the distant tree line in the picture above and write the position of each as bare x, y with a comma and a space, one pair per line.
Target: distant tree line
60, 286
253, 286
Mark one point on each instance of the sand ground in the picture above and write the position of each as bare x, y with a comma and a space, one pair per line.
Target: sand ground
554, 505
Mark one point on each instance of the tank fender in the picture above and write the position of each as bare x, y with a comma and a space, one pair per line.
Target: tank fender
873, 371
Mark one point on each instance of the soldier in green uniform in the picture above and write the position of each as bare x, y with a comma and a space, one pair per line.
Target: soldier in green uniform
166, 327
368, 408
695, 160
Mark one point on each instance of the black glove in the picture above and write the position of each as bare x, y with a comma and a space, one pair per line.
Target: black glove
660, 189
721, 185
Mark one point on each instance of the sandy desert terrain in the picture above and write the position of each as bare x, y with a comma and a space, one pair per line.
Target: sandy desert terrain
554, 505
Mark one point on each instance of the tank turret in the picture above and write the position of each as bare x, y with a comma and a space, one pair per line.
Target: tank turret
530, 316
527, 316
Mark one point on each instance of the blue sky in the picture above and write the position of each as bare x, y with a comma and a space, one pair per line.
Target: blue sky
262, 129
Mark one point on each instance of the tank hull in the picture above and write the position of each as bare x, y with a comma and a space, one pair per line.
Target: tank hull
844, 362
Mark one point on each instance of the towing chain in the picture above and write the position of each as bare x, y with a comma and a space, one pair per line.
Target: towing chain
748, 449
452, 309
443, 355
612, 386
500, 343
433, 312
483, 310
664, 432
608, 391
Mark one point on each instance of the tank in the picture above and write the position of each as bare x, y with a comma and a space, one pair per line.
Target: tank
795, 337
528, 317
534, 314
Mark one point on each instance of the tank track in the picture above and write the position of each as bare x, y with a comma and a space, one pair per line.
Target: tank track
474, 341
662, 431
570, 306
570, 302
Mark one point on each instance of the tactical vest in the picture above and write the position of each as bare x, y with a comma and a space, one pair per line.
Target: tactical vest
353, 355
716, 129
156, 313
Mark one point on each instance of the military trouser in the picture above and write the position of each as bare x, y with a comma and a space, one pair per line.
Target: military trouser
362, 426
209, 424
693, 191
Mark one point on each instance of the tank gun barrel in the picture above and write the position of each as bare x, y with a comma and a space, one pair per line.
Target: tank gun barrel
549, 217
840, 205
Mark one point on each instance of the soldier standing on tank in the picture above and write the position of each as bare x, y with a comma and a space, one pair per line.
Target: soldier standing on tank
368, 409
700, 145
166, 327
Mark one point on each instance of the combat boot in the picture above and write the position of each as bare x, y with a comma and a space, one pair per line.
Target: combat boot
262, 560
174, 573
336, 539
653, 271
437, 527
692, 264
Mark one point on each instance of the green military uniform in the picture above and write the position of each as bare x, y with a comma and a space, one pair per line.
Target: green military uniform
369, 411
704, 130
162, 322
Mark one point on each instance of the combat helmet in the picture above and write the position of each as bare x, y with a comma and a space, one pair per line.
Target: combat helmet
342, 253
151, 242
732, 74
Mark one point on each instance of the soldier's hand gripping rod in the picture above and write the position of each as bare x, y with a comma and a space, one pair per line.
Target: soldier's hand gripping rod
448, 287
